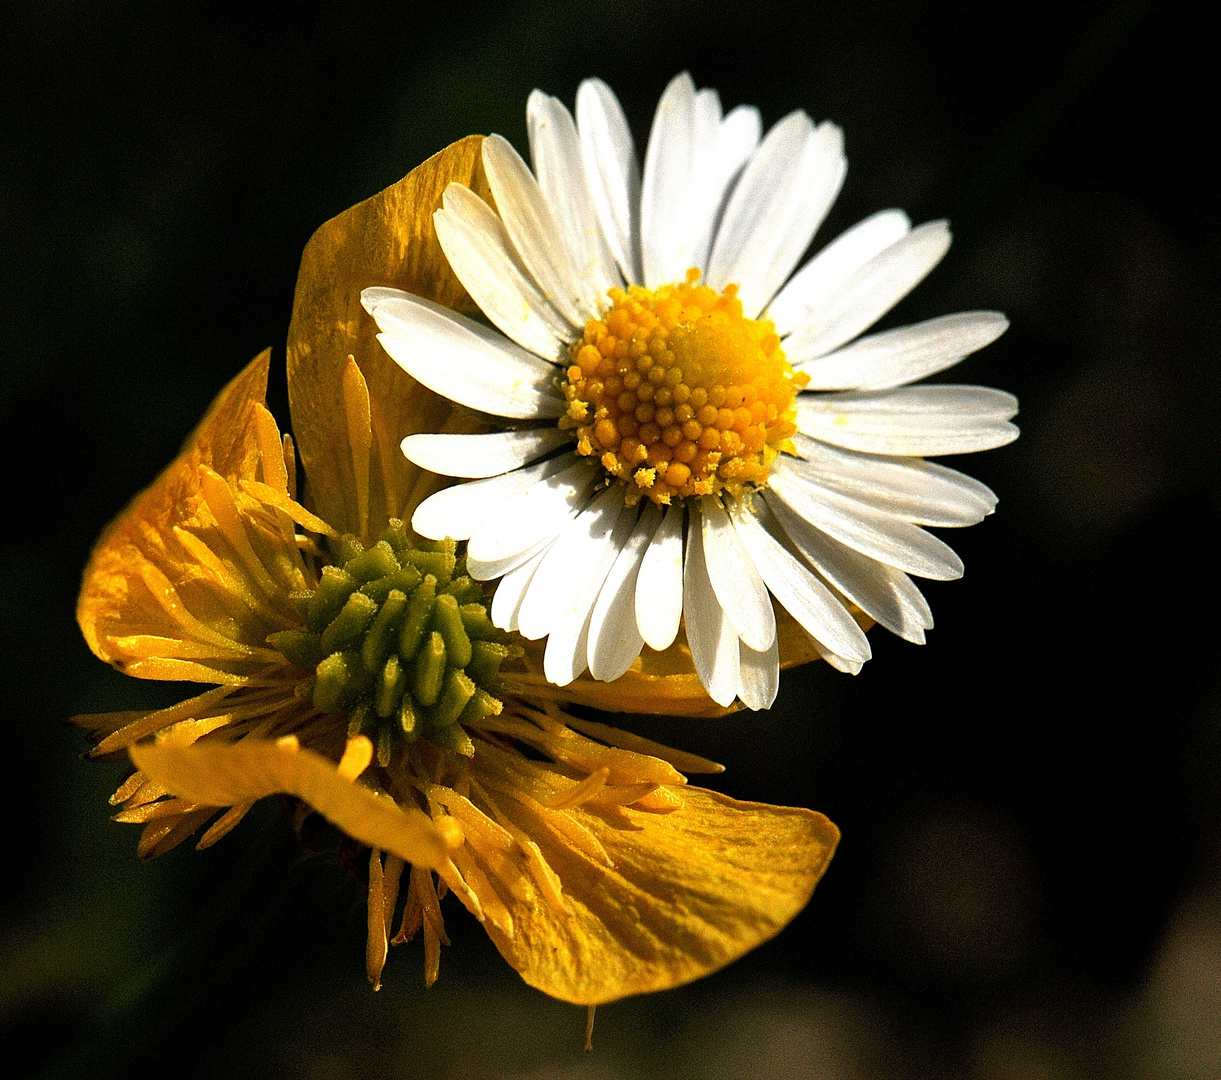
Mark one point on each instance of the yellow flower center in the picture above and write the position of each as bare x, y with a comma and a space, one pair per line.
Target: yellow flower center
676, 391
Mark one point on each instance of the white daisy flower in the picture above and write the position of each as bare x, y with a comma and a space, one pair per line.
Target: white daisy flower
688, 432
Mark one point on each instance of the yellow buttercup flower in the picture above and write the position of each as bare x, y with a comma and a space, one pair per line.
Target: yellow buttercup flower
357, 669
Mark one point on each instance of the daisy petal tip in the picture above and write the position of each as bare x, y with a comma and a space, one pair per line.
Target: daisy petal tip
831, 131
376, 295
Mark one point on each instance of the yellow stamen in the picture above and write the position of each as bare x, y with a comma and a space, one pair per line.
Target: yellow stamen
360, 436
376, 945
356, 757
677, 391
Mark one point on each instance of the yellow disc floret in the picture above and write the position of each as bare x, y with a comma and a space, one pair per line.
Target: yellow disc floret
677, 393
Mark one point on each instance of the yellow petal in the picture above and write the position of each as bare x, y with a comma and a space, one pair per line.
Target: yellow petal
386, 240
228, 775
143, 581
688, 892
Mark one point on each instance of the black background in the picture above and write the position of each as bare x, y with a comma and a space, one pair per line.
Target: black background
1027, 887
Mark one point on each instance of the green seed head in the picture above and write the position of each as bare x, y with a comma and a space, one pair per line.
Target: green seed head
398, 638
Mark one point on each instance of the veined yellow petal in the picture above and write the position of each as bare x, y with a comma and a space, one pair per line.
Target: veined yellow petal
141, 581
228, 775
386, 240
688, 892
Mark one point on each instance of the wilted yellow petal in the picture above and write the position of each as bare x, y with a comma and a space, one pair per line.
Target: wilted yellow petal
142, 581
687, 893
220, 775
386, 240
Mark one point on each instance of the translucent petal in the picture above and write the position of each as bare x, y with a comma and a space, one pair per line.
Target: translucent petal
681, 894
387, 239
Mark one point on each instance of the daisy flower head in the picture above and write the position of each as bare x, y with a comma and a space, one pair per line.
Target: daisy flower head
354, 668
686, 429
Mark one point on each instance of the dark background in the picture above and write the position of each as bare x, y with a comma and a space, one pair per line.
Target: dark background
1028, 884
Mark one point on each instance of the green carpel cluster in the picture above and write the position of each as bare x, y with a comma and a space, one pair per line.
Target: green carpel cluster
399, 638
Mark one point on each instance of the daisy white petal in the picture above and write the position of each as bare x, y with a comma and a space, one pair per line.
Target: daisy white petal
482, 455
901, 356
758, 675
567, 652
569, 564
612, 172
528, 521
710, 635
736, 139
457, 511
555, 148
736, 582
911, 419
780, 200
681, 153
802, 595
479, 250
908, 487
534, 232
871, 292
511, 590
848, 667
885, 594
810, 287
614, 638
863, 528
659, 586
455, 357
